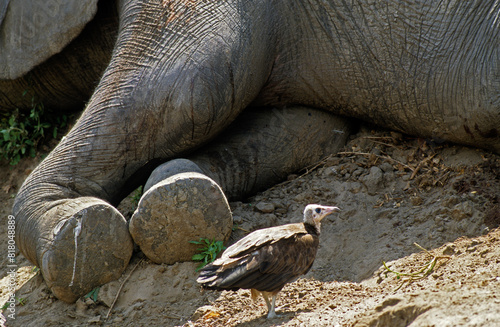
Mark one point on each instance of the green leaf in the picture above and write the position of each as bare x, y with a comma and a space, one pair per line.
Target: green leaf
197, 257
209, 252
15, 160
6, 135
200, 266
93, 294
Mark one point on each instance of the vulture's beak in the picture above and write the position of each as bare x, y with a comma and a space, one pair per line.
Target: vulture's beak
329, 211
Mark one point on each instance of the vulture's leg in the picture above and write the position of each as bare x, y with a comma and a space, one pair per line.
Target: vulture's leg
270, 304
254, 294
261, 148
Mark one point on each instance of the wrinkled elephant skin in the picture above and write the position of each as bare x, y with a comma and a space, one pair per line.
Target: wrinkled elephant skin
181, 72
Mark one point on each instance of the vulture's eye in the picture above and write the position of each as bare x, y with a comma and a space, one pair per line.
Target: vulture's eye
318, 210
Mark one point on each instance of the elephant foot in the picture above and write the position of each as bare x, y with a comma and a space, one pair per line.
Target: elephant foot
88, 247
171, 168
181, 208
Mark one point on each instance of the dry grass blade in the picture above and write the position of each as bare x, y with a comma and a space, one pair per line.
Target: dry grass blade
377, 155
420, 165
120, 289
423, 272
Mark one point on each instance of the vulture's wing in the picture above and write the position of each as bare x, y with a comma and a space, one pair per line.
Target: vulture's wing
256, 239
265, 260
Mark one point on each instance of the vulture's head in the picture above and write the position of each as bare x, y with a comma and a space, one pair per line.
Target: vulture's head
314, 213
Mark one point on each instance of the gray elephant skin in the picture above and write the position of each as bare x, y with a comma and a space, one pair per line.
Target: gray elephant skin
218, 99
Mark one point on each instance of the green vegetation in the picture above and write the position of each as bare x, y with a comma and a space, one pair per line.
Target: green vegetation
137, 195
93, 294
20, 301
22, 133
208, 252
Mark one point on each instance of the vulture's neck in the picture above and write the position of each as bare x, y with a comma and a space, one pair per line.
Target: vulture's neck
312, 229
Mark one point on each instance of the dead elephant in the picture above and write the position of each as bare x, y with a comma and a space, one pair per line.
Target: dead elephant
179, 77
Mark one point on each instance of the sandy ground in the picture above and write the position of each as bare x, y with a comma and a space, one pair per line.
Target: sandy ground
393, 190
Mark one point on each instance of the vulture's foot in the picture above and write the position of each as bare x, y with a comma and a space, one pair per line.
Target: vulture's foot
271, 304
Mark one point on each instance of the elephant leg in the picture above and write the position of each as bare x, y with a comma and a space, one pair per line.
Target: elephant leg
183, 200
180, 208
88, 245
178, 76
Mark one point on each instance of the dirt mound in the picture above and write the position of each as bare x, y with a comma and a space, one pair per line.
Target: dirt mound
393, 191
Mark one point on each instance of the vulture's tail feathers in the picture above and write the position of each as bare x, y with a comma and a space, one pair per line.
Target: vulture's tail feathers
219, 277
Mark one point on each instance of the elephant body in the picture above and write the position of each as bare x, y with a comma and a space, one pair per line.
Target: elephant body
181, 72
65, 81
424, 68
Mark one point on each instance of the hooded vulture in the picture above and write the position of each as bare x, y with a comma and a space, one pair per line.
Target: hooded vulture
267, 259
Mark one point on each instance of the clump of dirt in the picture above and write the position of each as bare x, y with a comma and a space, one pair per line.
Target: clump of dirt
393, 190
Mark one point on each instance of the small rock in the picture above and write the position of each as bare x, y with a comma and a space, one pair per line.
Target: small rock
329, 171
265, 207
357, 172
237, 219
452, 201
299, 197
462, 210
89, 302
107, 293
95, 319
354, 187
416, 200
373, 179
277, 205
449, 250
268, 220
386, 167
81, 307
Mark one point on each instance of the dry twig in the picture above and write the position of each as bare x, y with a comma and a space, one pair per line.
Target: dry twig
120, 289
379, 156
425, 271
420, 165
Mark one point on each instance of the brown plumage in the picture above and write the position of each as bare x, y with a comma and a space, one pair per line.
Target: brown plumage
267, 259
